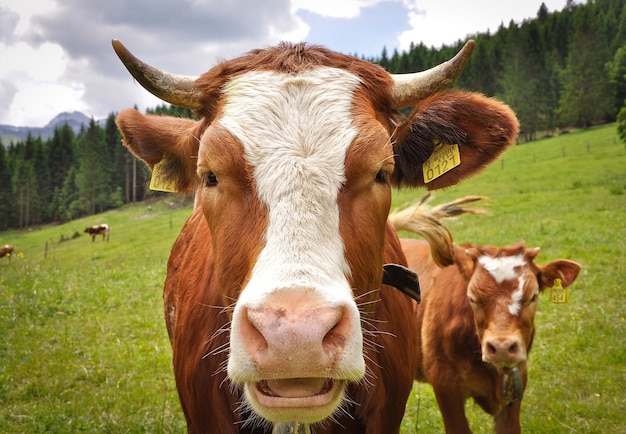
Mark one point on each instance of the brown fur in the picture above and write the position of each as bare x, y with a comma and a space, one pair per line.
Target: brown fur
479, 125
451, 329
213, 256
98, 230
6, 250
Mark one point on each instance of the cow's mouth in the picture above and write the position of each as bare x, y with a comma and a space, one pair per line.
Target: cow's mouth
307, 400
295, 392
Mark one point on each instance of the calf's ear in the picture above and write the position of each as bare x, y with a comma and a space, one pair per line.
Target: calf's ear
562, 269
465, 257
481, 127
169, 140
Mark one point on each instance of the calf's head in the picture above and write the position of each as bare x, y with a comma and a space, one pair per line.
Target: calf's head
503, 291
292, 161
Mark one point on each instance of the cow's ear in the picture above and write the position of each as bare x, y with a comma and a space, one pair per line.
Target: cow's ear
155, 139
481, 128
562, 269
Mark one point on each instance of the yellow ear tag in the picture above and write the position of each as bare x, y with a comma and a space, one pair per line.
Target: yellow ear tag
557, 293
443, 159
159, 182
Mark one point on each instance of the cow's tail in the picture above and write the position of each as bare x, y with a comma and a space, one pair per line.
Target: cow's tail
425, 221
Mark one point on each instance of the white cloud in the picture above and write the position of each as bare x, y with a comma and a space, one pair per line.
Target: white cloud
55, 55
46, 62
440, 22
334, 8
35, 84
26, 9
38, 101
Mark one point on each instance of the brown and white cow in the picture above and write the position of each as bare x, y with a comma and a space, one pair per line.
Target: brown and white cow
96, 230
477, 326
274, 299
6, 250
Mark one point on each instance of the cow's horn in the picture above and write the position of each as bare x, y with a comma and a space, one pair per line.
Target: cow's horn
409, 89
179, 90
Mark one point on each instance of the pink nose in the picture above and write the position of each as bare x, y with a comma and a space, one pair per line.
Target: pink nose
292, 336
505, 351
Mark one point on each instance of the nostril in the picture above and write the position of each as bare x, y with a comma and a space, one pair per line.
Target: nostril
251, 323
491, 349
335, 338
513, 348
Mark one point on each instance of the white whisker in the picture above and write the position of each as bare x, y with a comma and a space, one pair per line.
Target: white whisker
365, 294
225, 347
218, 332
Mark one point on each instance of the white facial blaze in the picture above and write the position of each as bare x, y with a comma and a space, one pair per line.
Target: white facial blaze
516, 297
507, 268
295, 131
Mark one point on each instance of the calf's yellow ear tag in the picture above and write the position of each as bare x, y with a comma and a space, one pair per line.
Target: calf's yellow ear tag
443, 159
557, 293
159, 182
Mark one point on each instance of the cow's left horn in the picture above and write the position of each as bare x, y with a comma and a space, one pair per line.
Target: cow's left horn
409, 89
179, 90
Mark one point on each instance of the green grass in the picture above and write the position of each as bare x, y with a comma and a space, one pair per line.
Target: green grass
570, 200
83, 345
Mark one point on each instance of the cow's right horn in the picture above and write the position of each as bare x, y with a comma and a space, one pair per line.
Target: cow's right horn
409, 89
179, 90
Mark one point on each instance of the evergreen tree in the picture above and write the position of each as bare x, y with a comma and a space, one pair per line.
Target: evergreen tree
61, 154
621, 123
384, 60
92, 176
117, 156
25, 192
519, 80
6, 193
586, 95
617, 77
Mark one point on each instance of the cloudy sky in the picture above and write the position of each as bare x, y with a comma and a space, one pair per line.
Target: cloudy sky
56, 55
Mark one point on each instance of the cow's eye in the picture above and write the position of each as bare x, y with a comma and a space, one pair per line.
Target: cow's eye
210, 179
382, 177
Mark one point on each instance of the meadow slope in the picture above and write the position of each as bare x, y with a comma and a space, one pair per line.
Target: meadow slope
83, 345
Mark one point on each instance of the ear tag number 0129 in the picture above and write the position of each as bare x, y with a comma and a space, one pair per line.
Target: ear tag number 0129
443, 159
557, 293
159, 182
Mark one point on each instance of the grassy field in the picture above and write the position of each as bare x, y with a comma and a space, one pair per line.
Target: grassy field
83, 346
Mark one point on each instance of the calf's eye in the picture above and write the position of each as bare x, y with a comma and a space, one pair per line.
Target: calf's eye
382, 177
210, 179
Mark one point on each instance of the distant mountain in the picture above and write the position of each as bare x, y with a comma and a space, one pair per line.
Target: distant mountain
10, 133
73, 119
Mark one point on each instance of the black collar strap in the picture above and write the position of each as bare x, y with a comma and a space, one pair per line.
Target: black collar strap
402, 278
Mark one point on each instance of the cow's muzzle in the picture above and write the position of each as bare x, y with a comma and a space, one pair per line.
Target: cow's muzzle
295, 355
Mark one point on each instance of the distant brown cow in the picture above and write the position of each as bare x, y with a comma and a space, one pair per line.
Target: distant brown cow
6, 250
102, 229
476, 321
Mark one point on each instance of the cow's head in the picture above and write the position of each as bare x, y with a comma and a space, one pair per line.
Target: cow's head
503, 290
293, 161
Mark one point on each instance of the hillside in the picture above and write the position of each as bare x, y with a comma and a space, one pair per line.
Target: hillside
84, 345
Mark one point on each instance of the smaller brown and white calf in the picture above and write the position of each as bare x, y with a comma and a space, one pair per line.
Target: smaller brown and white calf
102, 229
477, 326
6, 250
